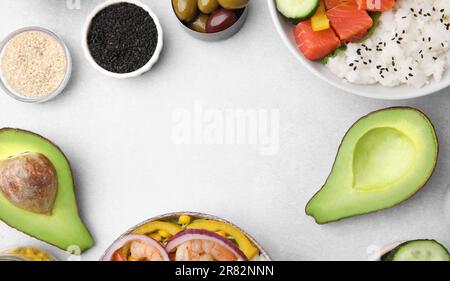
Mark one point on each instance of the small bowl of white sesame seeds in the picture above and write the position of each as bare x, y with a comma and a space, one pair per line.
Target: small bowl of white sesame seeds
35, 65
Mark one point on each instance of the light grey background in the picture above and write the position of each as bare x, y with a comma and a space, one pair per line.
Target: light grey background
117, 135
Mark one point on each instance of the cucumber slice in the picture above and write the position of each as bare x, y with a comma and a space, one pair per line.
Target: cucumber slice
297, 10
418, 250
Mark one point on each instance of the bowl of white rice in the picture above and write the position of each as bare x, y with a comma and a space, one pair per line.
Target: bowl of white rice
409, 53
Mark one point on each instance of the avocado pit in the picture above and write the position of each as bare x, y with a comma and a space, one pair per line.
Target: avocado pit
29, 181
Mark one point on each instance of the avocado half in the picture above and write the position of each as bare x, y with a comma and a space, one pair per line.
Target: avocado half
384, 159
63, 227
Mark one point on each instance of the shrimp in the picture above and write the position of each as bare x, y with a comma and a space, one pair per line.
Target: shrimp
144, 252
203, 250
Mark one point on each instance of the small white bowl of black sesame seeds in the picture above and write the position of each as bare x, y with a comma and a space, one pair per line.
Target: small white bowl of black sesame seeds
122, 38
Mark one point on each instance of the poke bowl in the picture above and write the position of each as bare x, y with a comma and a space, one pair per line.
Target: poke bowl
185, 236
286, 27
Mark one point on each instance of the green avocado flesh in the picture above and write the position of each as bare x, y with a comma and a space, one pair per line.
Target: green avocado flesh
63, 227
384, 159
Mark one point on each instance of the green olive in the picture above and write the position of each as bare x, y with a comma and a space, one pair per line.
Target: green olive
199, 24
207, 6
186, 10
233, 4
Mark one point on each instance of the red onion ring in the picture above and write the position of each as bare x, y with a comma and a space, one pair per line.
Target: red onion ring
132, 237
198, 234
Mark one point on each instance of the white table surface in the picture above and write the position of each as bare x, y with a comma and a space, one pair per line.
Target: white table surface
117, 135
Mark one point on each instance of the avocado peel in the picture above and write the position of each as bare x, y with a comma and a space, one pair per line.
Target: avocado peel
384, 159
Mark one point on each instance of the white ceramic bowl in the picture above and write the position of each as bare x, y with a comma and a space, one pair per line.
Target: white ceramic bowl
384, 250
135, 73
376, 91
12, 93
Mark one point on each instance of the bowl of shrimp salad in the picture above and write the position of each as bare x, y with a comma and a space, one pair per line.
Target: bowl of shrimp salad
185, 236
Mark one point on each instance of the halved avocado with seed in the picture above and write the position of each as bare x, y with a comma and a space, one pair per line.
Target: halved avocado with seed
37, 190
384, 159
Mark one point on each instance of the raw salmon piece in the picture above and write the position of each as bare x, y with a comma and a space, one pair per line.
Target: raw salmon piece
349, 22
315, 45
330, 4
375, 5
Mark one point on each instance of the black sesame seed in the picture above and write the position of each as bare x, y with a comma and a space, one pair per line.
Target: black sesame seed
122, 38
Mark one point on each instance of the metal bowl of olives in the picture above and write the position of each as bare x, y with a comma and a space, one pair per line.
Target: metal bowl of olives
211, 20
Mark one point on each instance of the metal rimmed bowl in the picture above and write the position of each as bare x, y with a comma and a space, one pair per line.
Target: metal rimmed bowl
263, 255
221, 35
138, 72
6, 255
9, 257
11, 92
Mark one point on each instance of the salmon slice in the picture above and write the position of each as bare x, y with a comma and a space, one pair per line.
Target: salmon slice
315, 45
375, 5
349, 22
330, 4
